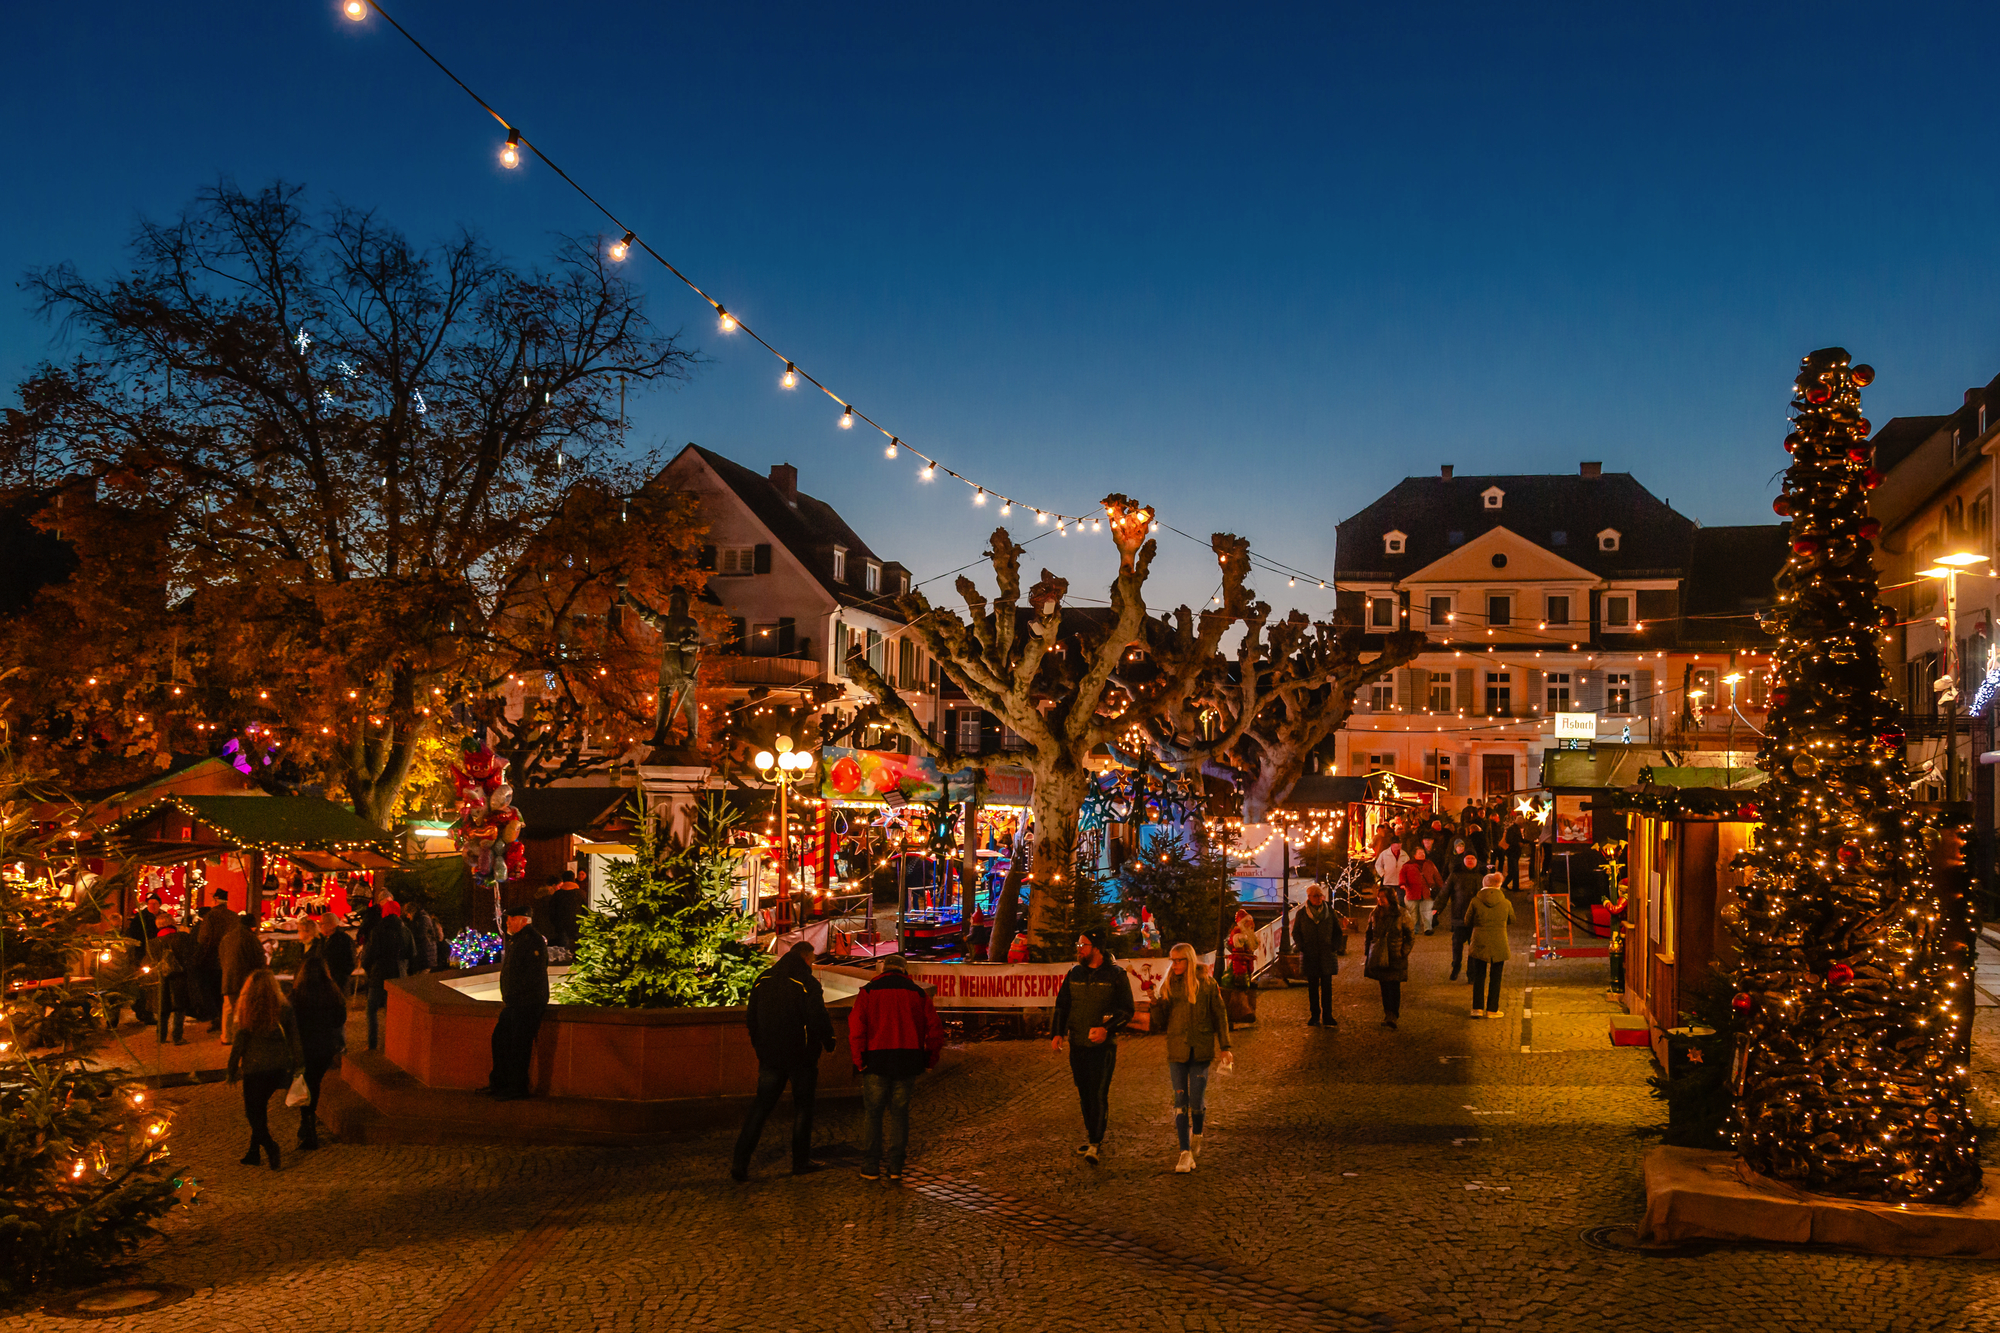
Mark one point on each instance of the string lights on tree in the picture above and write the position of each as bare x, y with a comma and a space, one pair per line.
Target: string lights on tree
1855, 931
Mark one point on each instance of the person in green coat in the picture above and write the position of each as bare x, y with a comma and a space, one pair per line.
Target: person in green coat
1189, 1008
1489, 916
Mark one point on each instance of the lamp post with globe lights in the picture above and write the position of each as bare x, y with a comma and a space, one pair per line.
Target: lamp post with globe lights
785, 768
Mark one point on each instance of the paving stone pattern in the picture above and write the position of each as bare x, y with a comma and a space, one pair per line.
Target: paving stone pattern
1431, 1177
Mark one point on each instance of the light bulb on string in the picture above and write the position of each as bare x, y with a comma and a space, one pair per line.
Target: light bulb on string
1006, 508
979, 496
790, 379
889, 452
1040, 517
355, 9
930, 472
728, 321
847, 422
510, 152
621, 247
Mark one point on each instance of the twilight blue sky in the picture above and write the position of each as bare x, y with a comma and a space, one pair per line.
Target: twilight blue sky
1249, 264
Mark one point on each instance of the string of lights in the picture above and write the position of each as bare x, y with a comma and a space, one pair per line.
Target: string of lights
511, 156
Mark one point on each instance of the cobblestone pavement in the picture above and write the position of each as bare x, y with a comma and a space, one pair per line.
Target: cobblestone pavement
1435, 1176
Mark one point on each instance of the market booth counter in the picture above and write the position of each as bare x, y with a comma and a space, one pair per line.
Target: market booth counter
599, 1075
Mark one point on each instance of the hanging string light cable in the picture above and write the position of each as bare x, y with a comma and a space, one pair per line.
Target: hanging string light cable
629, 238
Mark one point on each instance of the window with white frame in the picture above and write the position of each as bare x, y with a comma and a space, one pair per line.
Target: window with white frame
872, 577
1382, 693
732, 561
1607, 540
1617, 611
1557, 683
968, 731
1499, 694
1492, 497
840, 564
1440, 610
1382, 763
1440, 691
1558, 609
1393, 543
1382, 612
1618, 692
1499, 609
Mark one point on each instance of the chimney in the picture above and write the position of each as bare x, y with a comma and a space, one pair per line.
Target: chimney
1971, 397
1593, 469
786, 478
1445, 472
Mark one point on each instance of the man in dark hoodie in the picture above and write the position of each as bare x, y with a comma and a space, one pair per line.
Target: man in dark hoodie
895, 1034
1094, 1003
524, 1002
789, 1027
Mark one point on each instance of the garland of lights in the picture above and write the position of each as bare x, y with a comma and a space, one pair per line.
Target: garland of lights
1855, 974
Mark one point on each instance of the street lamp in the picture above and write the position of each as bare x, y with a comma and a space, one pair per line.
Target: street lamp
1948, 568
792, 766
1732, 680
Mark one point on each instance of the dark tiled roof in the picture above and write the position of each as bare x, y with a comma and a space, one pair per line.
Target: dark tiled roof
1899, 436
809, 529
1653, 538
552, 811
1729, 579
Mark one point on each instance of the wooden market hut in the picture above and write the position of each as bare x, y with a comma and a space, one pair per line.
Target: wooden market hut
234, 837
1686, 827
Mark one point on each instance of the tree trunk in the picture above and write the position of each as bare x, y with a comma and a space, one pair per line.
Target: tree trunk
1278, 771
1007, 907
968, 873
1058, 804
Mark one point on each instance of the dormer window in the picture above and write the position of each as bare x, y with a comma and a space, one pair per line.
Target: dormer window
873, 577
1492, 496
1607, 540
840, 564
1392, 542
903, 583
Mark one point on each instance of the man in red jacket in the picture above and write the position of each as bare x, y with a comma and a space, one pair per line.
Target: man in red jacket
895, 1034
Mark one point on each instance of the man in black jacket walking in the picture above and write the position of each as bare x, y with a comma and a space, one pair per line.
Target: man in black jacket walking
1094, 1003
789, 1027
524, 1002
1316, 927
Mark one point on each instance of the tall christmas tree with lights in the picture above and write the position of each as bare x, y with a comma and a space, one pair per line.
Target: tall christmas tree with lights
1855, 979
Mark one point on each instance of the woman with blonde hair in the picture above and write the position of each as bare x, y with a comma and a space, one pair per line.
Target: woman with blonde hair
265, 1051
1188, 1007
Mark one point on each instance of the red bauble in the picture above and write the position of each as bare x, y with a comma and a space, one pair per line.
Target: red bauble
1746, 811
1863, 375
1839, 974
1792, 442
1864, 426
1805, 546
1818, 393
1779, 698
1871, 528
1782, 506
1858, 454
1848, 853
1871, 478
1741, 1002
1893, 737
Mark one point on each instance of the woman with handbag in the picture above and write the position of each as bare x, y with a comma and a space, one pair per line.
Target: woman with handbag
1188, 1006
1389, 942
265, 1053
321, 1012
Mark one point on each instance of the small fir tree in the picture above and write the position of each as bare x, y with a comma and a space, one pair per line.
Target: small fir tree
83, 1151
1855, 933
1187, 888
673, 936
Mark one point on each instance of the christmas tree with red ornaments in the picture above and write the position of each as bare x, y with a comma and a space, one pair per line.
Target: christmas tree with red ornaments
1855, 931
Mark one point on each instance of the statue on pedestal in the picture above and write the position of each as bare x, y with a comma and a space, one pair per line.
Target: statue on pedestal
680, 662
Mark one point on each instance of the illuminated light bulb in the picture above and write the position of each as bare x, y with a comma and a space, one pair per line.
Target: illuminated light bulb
790, 379
355, 9
979, 496
847, 423
929, 473
510, 152
1040, 517
728, 322
1006, 507
621, 247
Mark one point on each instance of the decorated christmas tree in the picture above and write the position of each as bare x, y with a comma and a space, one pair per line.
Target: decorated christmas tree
1855, 933
83, 1149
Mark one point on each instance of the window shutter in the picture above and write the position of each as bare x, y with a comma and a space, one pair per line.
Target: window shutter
1590, 690
1537, 696
707, 557
1416, 689
1642, 693
788, 636
762, 556
1463, 691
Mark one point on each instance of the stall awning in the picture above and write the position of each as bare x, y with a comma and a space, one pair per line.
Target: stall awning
1734, 779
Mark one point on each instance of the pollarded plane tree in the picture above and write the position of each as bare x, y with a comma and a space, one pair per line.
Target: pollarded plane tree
1048, 674
1292, 683
1855, 930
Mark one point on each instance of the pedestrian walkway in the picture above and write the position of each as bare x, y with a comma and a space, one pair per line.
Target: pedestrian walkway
1435, 1176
